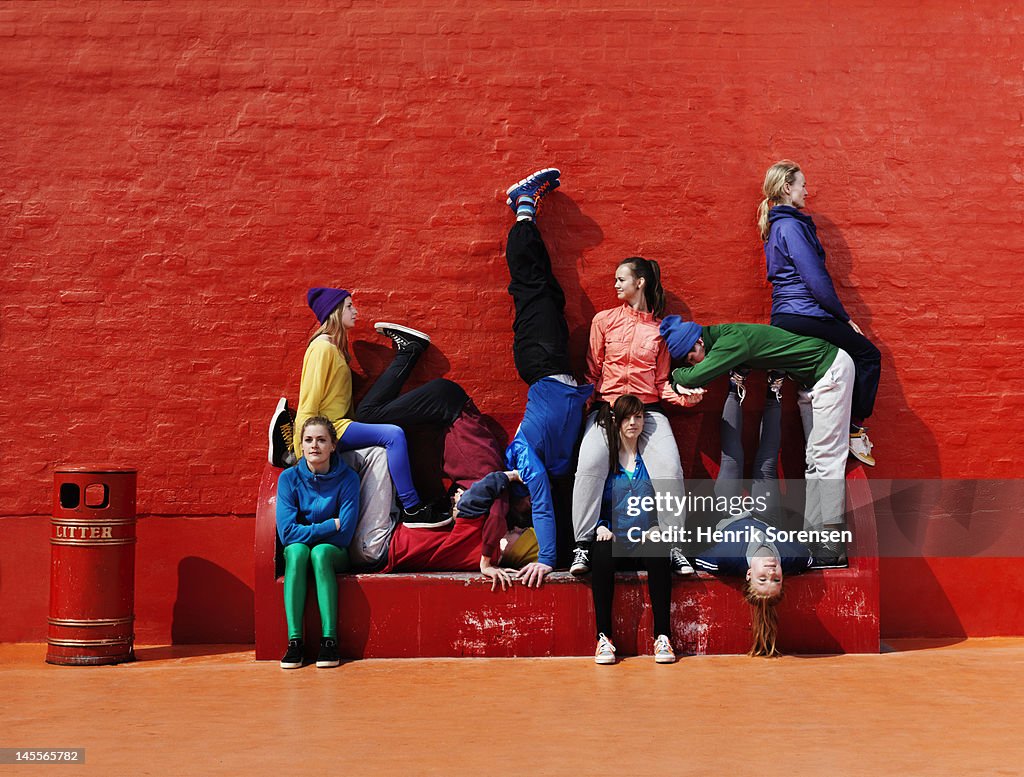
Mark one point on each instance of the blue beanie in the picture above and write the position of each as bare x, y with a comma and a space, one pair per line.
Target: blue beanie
322, 301
680, 336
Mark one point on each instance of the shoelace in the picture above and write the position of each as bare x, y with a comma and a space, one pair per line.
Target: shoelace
662, 645
579, 556
867, 442
775, 386
400, 341
287, 434
605, 646
738, 381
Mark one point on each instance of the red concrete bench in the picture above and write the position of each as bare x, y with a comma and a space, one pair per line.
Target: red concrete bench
457, 614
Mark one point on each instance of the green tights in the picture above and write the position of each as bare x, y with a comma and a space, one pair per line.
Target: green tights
328, 560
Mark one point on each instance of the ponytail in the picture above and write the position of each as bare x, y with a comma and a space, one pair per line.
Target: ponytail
781, 173
610, 416
650, 271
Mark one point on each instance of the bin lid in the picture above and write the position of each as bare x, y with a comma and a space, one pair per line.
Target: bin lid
97, 469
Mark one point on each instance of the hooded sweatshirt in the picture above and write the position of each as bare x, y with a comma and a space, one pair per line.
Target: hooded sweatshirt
308, 503
795, 261
806, 359
543, 447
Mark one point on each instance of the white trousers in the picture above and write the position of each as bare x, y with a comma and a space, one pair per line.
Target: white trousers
378, 510
657, 445
825, 413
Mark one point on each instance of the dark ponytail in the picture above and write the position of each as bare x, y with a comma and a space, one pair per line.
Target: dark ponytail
650, 271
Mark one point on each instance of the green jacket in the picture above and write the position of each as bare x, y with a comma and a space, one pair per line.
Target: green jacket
805, 359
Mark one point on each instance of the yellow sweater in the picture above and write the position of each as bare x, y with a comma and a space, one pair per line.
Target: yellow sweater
325, 388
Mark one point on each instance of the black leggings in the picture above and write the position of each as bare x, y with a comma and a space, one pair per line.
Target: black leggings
602, 582
866, 358
540, 346
438, 402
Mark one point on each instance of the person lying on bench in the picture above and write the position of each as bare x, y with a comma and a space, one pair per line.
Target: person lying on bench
481, 536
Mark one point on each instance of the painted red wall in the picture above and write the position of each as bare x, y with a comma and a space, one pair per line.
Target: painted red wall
176, 175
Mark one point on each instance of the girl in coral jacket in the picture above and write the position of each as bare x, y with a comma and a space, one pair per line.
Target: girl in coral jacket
317, 509
804, 300
628, 356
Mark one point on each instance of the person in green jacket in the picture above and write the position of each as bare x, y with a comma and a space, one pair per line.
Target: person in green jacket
825, 375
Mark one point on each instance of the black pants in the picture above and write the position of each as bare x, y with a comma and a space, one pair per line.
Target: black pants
602, 581
866, 358
438, 402
540, 346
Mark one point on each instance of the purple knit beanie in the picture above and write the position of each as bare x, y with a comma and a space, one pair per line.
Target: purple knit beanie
680, 336
322, 301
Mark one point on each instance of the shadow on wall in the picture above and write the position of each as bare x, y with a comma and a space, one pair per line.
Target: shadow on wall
920, 459
568, 233
211, 606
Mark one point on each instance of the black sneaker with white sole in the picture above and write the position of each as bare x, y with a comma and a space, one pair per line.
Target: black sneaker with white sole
830, 554
405, 338
680, 564
281, 436
425, 517
580, 560
328, 655
293, 657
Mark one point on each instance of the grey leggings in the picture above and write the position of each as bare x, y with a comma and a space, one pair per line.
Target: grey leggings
766, 461
661, 456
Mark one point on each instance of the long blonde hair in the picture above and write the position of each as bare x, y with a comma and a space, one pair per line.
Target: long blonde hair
781, 173
764, 622
334, 330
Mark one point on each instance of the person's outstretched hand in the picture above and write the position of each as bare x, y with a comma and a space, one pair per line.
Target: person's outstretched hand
533, 574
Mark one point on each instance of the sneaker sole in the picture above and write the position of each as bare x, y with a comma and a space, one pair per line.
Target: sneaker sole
282, 405
685, 572
576, 571
427, 525
538, 174
380, 326
844, 565
327, 664
291, 666
664, 659
604, 660
868, 461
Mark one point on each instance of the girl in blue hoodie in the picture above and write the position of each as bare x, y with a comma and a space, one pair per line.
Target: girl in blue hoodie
317, 509
804, 300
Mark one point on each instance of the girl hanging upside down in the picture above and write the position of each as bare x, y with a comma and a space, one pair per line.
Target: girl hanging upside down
749, 551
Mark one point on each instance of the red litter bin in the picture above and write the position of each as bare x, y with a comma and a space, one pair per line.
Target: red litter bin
92, 566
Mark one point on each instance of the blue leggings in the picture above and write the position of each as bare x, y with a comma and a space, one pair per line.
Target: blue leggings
359, 435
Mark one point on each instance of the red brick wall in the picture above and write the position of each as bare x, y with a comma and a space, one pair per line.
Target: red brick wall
175, 175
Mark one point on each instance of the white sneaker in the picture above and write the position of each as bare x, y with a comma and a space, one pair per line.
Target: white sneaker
605, 653
860, 447
663, 653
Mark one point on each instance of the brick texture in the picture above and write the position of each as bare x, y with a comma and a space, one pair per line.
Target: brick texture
175, 175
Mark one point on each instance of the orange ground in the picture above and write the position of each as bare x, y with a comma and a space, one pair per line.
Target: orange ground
926, 709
